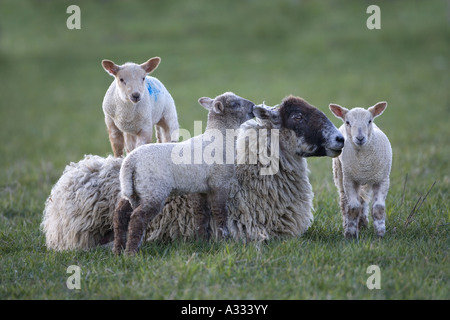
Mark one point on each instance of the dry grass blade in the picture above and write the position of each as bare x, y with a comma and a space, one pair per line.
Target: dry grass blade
417, 206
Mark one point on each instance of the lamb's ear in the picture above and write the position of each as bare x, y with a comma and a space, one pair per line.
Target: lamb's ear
151, 64
206, 102
378, 109
338, 111
110, 67
266, 114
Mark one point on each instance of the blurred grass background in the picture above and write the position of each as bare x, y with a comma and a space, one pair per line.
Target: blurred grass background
52, 86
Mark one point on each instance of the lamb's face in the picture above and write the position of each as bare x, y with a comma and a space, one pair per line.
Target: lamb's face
237, 107
316, 134
358, 122
230, 107
358, 126
130, 77
131, 82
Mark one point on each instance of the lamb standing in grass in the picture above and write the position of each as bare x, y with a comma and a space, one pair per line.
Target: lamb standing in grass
362, 169
150, 174
134, 103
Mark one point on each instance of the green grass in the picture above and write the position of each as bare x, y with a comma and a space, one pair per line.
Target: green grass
51, 90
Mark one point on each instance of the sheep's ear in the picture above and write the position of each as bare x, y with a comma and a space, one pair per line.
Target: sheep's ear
338, 111
218, 106
206, 102
151, 64
263, 113
378, 109
110, 67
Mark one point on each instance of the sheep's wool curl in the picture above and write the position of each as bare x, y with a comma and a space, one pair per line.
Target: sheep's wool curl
80, 208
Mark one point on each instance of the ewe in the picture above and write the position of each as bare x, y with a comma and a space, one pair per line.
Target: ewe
134, 103
149, 174
362, 168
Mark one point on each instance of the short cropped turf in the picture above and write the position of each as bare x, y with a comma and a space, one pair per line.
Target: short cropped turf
52, 86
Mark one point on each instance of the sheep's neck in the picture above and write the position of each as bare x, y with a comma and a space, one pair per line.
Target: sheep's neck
221, 123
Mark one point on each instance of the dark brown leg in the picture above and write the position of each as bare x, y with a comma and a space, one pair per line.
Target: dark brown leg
139, 220
218, 203
121, 220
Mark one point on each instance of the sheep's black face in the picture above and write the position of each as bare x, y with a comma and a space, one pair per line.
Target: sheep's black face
316, 134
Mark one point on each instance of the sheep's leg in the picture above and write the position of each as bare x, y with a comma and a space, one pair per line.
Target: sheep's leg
378, 209
170, 124
144, 136
168, 130
338, 181
202, 213
121, 220
218, 203
130, 142
139, 220
353, 210
115, 137
364, 198
159, 134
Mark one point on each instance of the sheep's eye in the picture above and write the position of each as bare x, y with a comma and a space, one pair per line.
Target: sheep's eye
347, 123
370, 121
121, 80
143, 79
298, 117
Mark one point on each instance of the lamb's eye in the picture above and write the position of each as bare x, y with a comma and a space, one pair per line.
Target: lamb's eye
347, 123
298, 117
121, 80
370, 121
143, 79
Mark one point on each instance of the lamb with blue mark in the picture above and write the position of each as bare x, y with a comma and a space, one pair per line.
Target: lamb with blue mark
134, 103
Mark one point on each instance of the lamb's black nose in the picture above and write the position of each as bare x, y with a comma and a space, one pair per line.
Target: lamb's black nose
136, 96
340, 139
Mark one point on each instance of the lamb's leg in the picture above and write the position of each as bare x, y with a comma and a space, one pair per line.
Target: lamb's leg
378, 209
168, 130
353, 209
169, 125
338, 181
202, 213
144, 136
364, 198
130, 142
218, 203
121, 220
140, 218
115, 137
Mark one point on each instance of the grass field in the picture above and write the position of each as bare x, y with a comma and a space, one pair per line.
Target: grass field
51, 90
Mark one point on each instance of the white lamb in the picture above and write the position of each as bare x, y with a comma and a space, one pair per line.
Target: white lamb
134, 103
151, 173
362, 169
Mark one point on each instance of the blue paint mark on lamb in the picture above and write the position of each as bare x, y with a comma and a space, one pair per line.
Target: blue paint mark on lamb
152, 87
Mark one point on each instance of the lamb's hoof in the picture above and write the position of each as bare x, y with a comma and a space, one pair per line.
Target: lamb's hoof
350, 234
380, 233
130, 253
363, 223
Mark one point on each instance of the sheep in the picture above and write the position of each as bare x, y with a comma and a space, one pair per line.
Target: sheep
134, 103
151, 173
362, 169
260, 207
